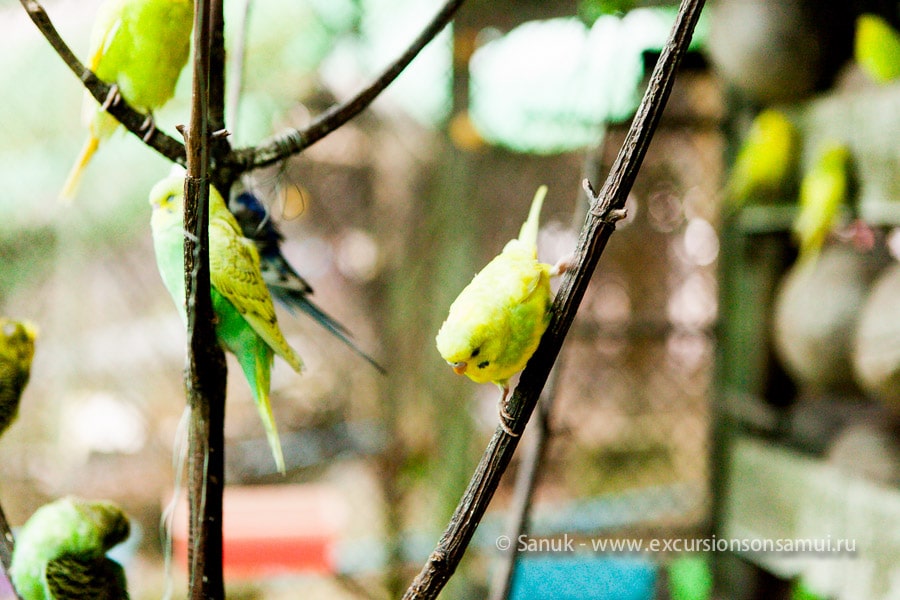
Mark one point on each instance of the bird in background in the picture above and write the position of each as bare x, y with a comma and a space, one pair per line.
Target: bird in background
140, 47
823, 190
60, 553
246, 324
766, 163
876, 48
496, 322
16, 351
285, 284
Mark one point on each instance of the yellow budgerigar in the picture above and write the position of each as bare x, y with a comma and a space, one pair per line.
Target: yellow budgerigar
140, 46
876, 48
765, 164
823, 191
496, 322
246, 324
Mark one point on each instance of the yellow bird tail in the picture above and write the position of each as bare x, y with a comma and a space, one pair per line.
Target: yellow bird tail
529, 232
264, 406
70, 187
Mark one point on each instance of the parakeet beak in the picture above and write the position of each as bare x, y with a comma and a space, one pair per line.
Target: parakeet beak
459, 367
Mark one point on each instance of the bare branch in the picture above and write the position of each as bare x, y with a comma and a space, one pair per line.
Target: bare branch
133, 120
206, 372
523, 490
598, 227
294, 141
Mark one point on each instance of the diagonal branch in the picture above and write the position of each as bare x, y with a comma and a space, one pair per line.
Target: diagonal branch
131, 119
598, 227
293, 141
523, 491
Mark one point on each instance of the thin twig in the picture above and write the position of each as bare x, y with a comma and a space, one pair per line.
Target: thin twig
206, 372
523, 490
220, 147
598, 226
290, 142
133, 120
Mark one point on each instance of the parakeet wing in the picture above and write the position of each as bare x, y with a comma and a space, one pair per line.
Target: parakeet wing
234, 268
70, 577
108, 24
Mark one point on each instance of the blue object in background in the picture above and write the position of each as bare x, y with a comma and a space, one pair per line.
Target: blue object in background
584, 578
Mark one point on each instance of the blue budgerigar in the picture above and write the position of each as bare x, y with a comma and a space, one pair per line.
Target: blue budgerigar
283, 281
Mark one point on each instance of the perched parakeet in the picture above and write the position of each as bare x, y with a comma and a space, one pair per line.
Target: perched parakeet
16, 352
766, 162
877, 48
285, 284
140, 46
496, 322
246, 323
60, 553
823, 191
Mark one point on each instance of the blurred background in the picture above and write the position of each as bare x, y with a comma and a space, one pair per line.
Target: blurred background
712, 383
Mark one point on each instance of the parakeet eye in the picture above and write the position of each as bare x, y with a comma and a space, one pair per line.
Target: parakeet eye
476, 352
169, 198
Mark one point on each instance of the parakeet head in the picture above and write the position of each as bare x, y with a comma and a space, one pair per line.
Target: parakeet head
106, 518
470, 346
168, 195
17, 340
256, 222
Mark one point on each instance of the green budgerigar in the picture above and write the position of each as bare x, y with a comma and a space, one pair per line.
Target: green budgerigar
823, 190
496, 322
876, 48
246, 324
16, 351
60, 553
140, 46
766, 162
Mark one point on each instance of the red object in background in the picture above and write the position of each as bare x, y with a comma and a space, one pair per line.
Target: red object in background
273, 530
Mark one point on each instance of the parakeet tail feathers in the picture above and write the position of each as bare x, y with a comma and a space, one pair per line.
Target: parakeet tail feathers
264, 406
529, 232
293, 299
70, 187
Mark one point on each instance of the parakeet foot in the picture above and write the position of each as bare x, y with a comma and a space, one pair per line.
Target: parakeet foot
112, 98
616, 215
506, 419
563, 265
150, 125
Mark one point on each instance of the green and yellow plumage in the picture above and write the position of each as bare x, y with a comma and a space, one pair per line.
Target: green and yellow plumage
60, 553
876, 48
823, 190
141, 46
496, 322
246, 323
16, 351
765, 164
